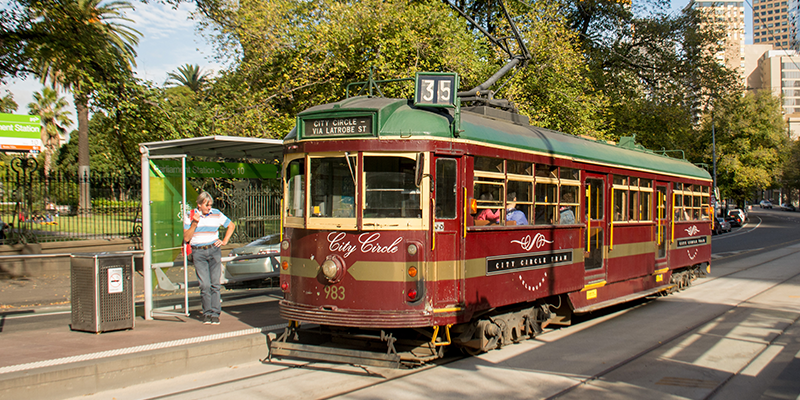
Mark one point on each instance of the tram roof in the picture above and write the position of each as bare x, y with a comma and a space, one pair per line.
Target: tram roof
397, 117
218, 146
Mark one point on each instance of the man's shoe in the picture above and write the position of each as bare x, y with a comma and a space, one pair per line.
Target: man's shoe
214, 320
207, 319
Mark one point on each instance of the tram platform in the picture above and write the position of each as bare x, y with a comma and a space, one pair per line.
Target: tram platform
42, 358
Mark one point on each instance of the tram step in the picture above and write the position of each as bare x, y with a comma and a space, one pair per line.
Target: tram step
333, 354
623, 299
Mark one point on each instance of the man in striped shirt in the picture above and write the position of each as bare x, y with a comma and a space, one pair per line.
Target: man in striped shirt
201, 230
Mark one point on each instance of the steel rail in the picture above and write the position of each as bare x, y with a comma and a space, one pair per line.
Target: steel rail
683, 332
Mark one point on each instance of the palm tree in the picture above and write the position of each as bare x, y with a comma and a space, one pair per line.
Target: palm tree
7, 103
90, 48
55, 121
188, 75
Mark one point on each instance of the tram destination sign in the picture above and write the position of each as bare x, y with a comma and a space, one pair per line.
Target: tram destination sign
522, 262
347, 126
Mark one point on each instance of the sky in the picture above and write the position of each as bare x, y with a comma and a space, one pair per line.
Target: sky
170, 39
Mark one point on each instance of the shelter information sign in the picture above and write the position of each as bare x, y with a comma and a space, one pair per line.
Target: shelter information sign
20, 132
195, 169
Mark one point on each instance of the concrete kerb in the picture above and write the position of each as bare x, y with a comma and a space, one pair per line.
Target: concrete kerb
91, 373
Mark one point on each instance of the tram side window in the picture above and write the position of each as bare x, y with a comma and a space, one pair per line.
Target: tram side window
295, 187
696, 209
488, 164
632, 199
620, 204
569, 207
706, 210
687, 206
678, 205
446, 188
489, 188
546, 203
389, 188
546, 171
524, 195
490, 200
332, 188
646, 209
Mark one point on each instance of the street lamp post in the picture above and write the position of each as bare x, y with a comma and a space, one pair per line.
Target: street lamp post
714, 159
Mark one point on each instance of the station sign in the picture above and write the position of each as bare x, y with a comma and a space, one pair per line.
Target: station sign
20, 132
197, 169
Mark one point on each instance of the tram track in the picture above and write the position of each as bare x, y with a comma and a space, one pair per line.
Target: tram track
382, 376
687, 330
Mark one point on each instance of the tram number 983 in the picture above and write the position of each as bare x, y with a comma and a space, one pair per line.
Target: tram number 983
334, 292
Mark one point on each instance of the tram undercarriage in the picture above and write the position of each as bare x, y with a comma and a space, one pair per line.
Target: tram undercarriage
409, 347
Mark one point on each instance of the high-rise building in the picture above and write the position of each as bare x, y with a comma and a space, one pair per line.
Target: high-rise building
780, 74
728, 15
772, 23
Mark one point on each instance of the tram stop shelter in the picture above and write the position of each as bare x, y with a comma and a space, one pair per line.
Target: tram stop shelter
167, 197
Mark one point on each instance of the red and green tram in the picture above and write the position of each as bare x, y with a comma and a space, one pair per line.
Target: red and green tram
467, 227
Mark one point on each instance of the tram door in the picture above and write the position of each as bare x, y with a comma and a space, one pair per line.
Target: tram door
446, 237
596, 219
662, 233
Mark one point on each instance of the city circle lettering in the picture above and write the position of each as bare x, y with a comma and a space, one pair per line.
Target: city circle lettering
495, 265
368, 243
339, 126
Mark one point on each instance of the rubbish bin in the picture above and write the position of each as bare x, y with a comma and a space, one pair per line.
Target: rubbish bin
102, 292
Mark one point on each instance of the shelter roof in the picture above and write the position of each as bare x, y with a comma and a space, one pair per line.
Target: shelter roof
217, 146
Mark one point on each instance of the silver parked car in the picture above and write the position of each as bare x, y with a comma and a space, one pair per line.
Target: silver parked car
258, 261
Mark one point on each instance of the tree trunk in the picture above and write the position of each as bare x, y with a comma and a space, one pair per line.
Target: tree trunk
85, 202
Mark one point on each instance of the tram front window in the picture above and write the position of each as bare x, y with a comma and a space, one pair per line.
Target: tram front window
332, 188
296, 188
390, 191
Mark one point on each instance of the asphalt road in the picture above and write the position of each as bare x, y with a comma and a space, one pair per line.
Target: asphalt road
733, 335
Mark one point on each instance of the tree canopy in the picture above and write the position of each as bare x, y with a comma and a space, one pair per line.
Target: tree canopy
751, 138
595, 67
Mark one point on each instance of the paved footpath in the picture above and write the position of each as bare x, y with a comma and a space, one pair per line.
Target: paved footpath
42, 355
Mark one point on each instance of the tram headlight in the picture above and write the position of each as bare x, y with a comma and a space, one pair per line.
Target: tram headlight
285, 245
412, 249
332, 268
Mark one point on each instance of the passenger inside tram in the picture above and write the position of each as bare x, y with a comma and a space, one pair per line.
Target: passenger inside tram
566, 215
487, 214
514, 216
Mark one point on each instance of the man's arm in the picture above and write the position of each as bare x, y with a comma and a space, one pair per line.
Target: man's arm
189, 232
228, 233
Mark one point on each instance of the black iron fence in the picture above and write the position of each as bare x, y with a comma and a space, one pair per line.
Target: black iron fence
35, 208
39, 208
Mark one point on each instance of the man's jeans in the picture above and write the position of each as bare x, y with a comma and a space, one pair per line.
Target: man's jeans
207, 266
